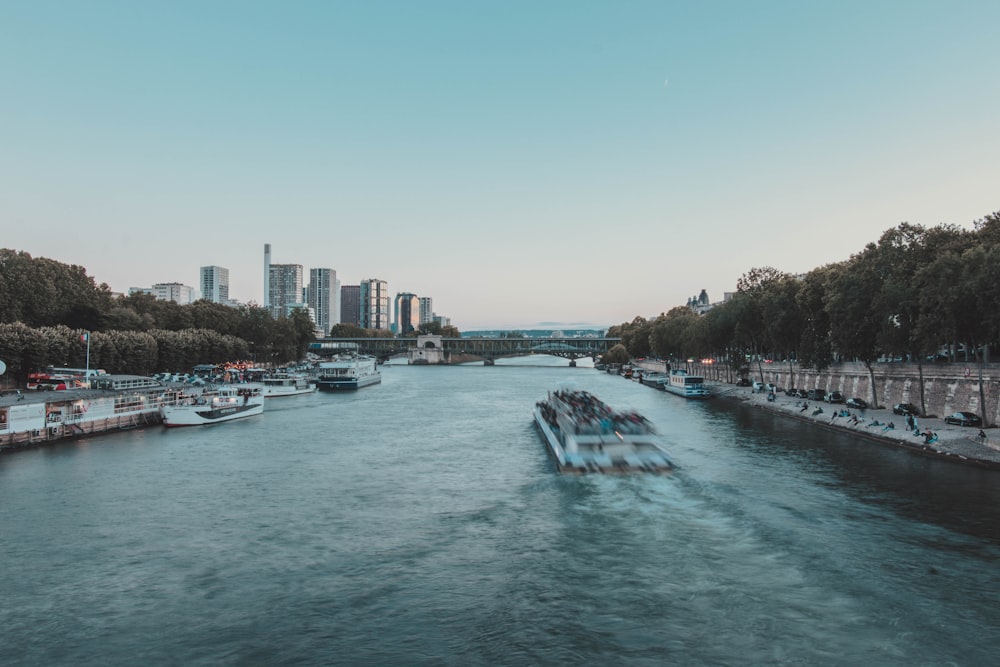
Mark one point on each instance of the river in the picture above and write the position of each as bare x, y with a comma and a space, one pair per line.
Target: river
420, 522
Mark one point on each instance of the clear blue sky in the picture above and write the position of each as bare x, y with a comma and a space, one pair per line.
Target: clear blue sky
519, 162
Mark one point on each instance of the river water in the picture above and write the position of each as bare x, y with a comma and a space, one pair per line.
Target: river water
420, 522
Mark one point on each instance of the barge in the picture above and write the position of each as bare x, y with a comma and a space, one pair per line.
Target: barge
583, 435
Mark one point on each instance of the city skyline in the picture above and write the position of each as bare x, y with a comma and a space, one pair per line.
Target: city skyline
597, 162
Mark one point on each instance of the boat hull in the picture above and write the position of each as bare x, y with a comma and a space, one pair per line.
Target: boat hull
186, 416
697, 394
350, 384
279, 391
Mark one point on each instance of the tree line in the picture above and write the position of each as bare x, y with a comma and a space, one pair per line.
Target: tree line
46, 306
916, 293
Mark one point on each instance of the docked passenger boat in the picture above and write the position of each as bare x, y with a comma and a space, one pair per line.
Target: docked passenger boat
584, 435
348, 372
688, 386
654, 380
214, 404
284, 384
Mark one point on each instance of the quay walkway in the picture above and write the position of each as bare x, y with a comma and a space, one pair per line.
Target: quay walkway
960, 444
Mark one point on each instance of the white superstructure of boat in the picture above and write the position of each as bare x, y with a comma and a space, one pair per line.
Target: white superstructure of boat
584, 435
285, 384
686, 385
347, 372
215, 404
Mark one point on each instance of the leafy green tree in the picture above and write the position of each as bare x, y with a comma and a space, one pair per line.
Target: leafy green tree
670, 333
814, 348
751, 326
852, 300
616, 355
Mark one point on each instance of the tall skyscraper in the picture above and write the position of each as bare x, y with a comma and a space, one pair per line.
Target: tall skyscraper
426, 309
406, 313
374, 304
215, 284
267, 275
323, 297
284, 288
350, 304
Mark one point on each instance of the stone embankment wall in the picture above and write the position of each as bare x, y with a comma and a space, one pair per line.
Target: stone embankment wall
947, 387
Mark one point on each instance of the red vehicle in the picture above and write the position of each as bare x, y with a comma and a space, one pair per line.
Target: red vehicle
53, 378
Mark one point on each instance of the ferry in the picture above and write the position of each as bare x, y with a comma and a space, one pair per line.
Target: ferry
584, 434
284, 384
347, 372
215, 404
688, 386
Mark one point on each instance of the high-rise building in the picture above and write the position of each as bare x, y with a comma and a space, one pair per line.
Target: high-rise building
374, 304
284, 288
350, 304
406, 313
215, 284
267, 276
426, 309
323, 297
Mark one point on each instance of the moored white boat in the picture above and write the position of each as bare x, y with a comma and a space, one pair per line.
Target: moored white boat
284, 384
347, 372
214, 404
688, 386
584, 434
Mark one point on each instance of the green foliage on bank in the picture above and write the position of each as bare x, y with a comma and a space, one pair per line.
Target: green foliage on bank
914, 293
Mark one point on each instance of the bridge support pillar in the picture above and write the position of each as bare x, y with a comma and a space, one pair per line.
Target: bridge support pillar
489, 362
572, 363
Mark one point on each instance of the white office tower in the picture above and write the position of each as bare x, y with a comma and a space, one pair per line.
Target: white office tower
426, 309
284, 288
215, 284
323, 297
175, 292
374, 299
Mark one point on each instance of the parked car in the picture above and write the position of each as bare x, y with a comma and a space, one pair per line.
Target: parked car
963, 419
816, 394
802, 393
834, 397
856, 403
743, 382
905, 409
791, 391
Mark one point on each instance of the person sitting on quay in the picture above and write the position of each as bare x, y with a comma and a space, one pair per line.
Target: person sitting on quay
805, 406
930, 437
817, 411
889, 427
875, 422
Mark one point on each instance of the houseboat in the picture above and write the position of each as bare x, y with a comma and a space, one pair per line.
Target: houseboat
285, 384
347, 372
214, 404
686, 385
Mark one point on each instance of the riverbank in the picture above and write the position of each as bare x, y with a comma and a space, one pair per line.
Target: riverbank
955, 443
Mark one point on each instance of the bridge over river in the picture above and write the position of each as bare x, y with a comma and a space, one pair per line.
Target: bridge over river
441, 350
